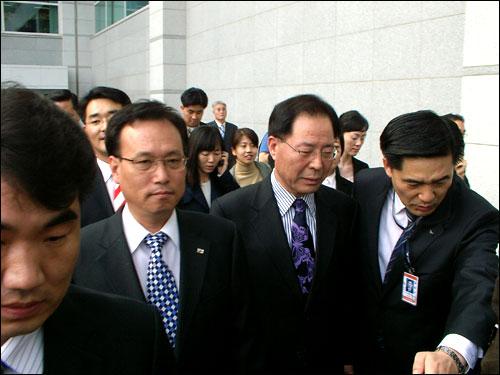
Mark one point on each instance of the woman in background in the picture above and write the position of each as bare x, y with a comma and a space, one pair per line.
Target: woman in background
247, 170
354, 127
207, 176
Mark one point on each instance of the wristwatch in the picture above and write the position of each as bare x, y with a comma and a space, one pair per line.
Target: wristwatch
462, 369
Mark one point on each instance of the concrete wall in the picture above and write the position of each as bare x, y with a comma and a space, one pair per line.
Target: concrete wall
120, 55
381, 58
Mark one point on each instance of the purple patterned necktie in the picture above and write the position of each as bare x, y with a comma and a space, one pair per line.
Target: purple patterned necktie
161, 287
302, 247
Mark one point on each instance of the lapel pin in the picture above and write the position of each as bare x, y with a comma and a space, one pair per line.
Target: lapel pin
430, 231
200, 251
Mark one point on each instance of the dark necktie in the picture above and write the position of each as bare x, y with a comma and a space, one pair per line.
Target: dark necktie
402, 246
302, 247
161, 287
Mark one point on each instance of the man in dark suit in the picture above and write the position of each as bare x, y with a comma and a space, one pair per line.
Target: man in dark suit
226, 129
297, 238
419, 221
149, 240
194, 101
95, 109
47, 325
334, 179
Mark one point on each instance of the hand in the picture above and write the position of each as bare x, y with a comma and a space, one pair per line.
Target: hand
224, 161
436, 362
349, 369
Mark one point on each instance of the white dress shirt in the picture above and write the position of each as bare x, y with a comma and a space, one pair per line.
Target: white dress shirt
135, 234
330, 181
108, 179
285, 200
393, 212
223, 126
24, 354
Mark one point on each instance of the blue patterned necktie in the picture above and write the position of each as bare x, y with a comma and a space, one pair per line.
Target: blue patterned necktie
302, 247
221, 129
161, 287
402, 245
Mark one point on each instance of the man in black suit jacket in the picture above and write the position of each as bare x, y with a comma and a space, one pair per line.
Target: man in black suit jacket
226, 128
47, 325
95, 110
146, 145
304, 326
444, 325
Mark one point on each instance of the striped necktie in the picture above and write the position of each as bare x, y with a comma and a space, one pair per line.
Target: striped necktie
118, 198
402, 245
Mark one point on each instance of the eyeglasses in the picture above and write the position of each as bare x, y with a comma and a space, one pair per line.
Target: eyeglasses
328, 154
149, 165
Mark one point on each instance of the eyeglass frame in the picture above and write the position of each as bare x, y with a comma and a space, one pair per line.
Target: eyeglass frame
311, 154
153, 167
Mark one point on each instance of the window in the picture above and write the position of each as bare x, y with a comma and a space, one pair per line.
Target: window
109, 12
30, 16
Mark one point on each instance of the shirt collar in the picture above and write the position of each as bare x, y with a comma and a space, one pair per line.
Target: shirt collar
285, 199
105, 169
219, 124
135, 232
24, 353
399, 208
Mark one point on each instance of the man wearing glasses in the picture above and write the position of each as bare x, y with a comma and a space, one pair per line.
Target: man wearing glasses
297, 238
95, 109
186, 264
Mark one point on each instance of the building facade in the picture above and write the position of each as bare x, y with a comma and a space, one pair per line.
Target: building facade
382, 58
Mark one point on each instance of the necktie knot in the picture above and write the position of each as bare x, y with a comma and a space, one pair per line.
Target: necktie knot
299, 205
156, 241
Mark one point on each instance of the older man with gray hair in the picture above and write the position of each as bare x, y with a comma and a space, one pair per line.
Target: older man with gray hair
226, 128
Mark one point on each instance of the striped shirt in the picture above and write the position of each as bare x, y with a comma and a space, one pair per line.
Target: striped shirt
285, 200
23, 354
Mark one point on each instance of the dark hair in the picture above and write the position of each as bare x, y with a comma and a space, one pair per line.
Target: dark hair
102, 92
64, 95
353, 121
341, 140
194, 96
419, 134
240, 133
203, 138
284, 114
144, 110
454, 117
44, 151
455, 133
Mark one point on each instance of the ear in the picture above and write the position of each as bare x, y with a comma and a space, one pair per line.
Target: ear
233, 151
114, 164
272, 144
182, 108
387, 167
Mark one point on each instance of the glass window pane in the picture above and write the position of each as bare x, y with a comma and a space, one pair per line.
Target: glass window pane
132, 6
117, 9
100, 16
31, 18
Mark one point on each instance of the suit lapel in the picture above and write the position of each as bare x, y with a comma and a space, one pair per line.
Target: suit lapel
195, 252
121, 274
373, 212
326, 224
268, 226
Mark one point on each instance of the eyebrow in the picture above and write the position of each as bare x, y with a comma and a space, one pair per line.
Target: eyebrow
410, 180
62, 217
109, 113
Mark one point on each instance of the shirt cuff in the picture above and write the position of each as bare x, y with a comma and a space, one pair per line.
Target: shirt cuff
470, 351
